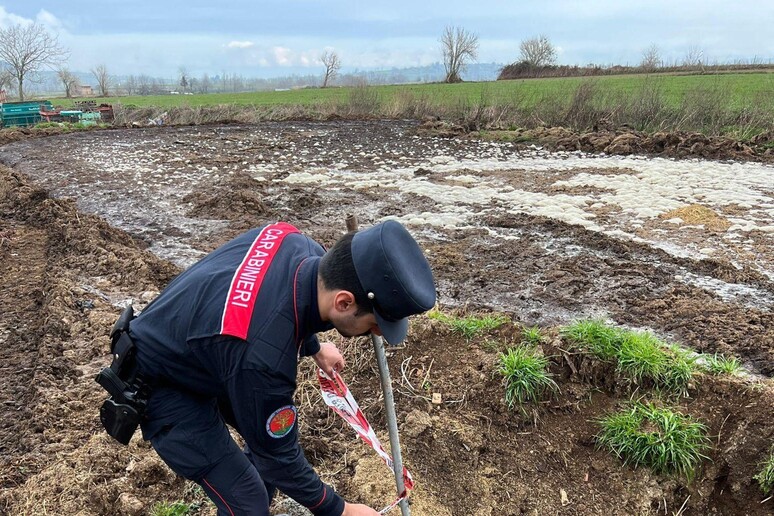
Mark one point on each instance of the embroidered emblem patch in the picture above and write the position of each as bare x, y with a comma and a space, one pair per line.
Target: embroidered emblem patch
281, 421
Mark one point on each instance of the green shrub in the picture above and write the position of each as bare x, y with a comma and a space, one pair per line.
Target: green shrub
661, 439
525, 375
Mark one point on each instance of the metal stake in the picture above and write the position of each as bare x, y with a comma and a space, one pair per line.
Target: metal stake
392, 422
389, 403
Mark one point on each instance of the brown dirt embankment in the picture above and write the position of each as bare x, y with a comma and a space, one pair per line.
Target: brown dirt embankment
61, 273
621, 141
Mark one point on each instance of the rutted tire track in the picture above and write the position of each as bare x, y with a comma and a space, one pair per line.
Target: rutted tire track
22, 276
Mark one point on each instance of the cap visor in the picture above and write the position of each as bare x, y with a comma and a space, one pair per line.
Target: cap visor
394, 332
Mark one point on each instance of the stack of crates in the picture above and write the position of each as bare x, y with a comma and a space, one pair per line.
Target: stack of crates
23, 113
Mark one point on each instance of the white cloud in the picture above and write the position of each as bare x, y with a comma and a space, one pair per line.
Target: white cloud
7, 19
49, 21
240, 44
282, 56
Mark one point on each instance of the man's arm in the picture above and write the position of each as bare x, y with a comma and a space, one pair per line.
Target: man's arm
267, 419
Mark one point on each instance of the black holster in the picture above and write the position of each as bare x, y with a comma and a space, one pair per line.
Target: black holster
122, 411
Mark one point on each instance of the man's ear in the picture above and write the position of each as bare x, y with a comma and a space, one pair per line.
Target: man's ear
343, 301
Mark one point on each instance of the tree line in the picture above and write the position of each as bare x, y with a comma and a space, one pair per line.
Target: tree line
26, 49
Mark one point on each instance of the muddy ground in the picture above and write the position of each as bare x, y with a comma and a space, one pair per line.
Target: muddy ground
682, 248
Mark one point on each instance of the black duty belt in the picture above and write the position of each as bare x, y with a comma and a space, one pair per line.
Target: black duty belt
121, 413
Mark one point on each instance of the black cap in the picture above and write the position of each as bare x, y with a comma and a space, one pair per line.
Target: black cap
395, 275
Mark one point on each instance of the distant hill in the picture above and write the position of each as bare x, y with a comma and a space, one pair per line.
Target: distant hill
48, 83
430, 73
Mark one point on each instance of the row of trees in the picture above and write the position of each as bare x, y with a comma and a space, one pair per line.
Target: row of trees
26, 49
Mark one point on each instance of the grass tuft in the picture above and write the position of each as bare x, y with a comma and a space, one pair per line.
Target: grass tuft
639, 356
171, 509
525, 375
532, 336
471, 325
661, 439
601, 340
765, 476
719, 364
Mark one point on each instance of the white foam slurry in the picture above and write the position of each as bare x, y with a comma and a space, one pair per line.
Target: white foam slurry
637, 190
640, 189
748, 296
140, 185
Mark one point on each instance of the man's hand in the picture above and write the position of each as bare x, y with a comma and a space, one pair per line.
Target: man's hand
329, 358
358, 510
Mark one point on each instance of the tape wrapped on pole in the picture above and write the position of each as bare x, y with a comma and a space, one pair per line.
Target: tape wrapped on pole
338, 397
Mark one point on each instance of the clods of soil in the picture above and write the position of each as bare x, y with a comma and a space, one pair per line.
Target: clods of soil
681, 248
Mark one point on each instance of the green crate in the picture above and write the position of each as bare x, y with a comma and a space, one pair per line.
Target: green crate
23, 113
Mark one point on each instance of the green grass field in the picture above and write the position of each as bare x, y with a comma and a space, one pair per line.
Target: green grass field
741, 89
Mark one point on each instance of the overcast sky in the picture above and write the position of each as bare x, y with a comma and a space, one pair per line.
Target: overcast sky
281, 37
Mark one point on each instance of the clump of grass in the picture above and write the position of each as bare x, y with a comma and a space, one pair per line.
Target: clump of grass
532, 336
642, 356
171, 509
525, 375
765, 476
471, 325
719, 364
601, 340
639, 356
661, 439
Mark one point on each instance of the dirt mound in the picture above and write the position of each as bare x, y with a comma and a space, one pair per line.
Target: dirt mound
62, 273
472, 455
15, 134
627, 141
434, 126
239, 196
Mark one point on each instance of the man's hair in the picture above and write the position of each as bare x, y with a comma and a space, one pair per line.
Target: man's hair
337, 271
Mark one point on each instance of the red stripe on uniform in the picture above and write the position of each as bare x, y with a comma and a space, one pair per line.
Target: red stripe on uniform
325, 495
219, 496
247, 280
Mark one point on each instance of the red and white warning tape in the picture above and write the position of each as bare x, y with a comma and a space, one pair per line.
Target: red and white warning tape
338, 397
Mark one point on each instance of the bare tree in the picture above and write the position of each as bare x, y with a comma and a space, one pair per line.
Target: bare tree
144, 85
694, 57
538, 51
651, 58
103, 79
130, 85
458, 47
28, 48
68, 79
6, 79
330, 59
204, 84
185, 80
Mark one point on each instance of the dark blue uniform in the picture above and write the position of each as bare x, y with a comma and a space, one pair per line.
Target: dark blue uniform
221, 345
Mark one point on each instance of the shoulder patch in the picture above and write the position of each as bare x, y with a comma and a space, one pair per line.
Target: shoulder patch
281, 421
